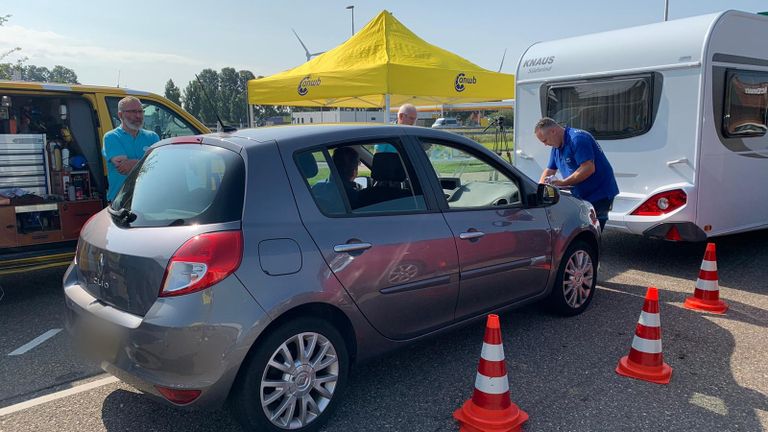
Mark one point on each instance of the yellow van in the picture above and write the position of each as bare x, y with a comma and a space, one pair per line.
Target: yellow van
52, 173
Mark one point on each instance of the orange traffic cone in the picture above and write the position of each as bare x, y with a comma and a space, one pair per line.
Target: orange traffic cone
645, 360
706, 296
490, 408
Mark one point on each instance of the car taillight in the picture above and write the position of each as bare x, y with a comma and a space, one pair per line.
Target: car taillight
202, 261
662, 203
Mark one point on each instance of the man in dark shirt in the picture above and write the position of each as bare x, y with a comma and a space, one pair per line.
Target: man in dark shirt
581, 162
347, 160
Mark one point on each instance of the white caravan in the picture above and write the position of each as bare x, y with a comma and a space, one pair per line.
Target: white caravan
680, 109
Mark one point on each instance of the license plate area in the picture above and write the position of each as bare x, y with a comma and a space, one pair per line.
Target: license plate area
98, 339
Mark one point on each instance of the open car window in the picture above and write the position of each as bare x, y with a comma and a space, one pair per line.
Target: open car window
355, 179
468, 181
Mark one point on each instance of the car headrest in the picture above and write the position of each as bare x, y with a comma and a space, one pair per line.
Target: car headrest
387, 167
307, 164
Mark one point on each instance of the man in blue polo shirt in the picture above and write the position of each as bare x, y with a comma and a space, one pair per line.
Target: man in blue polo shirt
125, 145
582, 164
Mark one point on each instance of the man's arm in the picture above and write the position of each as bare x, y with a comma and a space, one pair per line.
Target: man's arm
582, 173
123, 164
547, 172
551, 168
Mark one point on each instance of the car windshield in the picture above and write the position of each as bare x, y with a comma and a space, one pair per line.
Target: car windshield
182, 184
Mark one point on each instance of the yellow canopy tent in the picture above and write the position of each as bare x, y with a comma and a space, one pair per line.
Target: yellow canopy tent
383, 64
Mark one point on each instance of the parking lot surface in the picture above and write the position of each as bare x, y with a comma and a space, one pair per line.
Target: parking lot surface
561, 370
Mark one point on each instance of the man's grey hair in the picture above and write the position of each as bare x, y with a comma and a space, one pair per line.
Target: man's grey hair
407, 109
544, 124
126, 100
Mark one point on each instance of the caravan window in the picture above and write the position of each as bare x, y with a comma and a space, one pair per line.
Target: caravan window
612, 108
746, 104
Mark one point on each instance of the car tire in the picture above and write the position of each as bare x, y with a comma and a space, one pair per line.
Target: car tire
309, 386
576, 279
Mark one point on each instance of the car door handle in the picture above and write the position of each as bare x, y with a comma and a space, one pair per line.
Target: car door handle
524, 155
351, 247
471, 235
677, 161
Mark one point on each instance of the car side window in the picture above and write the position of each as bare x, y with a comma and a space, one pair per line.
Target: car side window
469, 181
357, 179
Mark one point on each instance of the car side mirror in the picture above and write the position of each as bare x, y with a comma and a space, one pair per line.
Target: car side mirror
547, 195
364, 182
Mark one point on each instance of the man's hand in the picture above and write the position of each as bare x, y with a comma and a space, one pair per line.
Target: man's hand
126, 166
547, 173
123, 164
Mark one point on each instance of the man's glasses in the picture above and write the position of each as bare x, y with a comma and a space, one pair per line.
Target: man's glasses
133, 111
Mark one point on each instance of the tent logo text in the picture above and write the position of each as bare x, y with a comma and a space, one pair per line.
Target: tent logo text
461, 80
305, 83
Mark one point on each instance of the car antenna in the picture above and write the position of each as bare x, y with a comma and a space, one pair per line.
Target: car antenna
224, 128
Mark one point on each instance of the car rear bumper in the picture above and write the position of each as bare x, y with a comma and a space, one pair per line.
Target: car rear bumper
197, 341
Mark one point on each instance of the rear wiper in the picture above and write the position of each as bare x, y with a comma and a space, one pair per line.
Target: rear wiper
123, 214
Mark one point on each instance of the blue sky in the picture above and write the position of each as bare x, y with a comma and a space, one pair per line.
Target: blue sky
148, 42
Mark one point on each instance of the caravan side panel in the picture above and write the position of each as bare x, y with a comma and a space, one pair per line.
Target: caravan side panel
733, 195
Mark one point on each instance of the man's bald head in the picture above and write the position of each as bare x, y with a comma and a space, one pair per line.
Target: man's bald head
407, 114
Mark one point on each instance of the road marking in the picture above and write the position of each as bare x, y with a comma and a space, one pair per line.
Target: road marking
58, 395
35, 342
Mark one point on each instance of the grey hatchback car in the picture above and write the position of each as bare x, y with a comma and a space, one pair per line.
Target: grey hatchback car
256, 267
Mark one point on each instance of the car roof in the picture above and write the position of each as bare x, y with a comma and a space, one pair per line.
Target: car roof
252, 137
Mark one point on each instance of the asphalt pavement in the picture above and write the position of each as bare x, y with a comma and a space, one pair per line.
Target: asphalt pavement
561, 370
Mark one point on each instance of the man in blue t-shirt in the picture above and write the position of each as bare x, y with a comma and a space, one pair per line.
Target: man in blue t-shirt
125, 145
581, 162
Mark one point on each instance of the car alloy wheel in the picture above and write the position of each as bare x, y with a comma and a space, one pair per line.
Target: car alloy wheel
293, 377
299, 380
576, 279
577, 283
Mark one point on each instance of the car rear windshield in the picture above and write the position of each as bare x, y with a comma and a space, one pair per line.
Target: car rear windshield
182, 184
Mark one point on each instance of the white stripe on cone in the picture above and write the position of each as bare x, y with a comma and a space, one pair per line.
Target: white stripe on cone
649, 319
709, 265
492, 352
492, 385
649, 346
707, 285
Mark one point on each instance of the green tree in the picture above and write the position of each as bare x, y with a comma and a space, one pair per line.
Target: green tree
172, 93
35, 73
61, 74
210, 81
228, 92
239, 108
193, 99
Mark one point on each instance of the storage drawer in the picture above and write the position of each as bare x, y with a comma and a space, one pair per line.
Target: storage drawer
38, 237
74, 214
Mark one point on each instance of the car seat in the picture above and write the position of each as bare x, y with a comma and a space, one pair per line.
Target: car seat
388, 174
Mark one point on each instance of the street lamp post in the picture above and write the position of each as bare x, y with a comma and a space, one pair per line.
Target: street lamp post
352, 8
